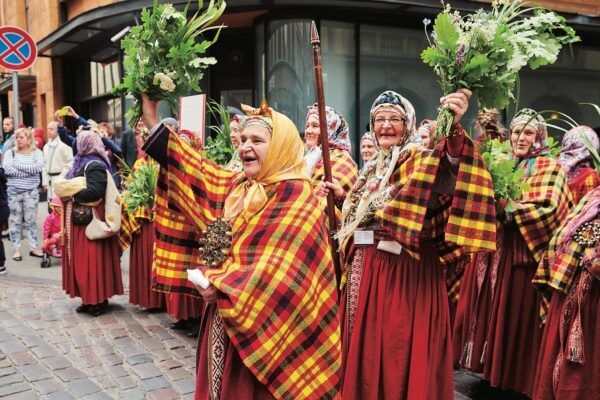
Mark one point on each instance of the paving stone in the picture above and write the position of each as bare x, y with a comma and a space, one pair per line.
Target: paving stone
106, 381
185, 386
22, 358
57, 362
163, 394
98, 396
117, 371
126, 382
7, 371
132, 350
161, 355
146, 370
139, 359
34, 372
82, 387
112, 359
152, 344
178, 373
32, 340
80, 341
60, 395
37, 324
44, 351
27, 395
155, 383
48, 386
12, 346
12, 378
134, 394
69, 374
182, 353
14, 388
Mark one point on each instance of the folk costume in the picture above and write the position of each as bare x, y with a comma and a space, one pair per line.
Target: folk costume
137, 231
576, 160
274, 330
569, 279
501, 327
407, 215
343, 167
91, 268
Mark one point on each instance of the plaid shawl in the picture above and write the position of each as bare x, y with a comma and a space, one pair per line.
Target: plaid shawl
277, 288
470, 220
557, 268
542, 208
130, 224
343, 168
582, 184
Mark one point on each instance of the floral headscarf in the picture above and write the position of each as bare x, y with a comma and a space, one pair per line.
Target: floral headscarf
89, 148
529, 117
337, 131
574, 154
372, 189
368, 136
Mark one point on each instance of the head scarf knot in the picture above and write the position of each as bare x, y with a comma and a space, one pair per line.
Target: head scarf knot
284, 161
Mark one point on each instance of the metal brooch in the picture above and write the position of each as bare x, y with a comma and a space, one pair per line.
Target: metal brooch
215, 242
587, 235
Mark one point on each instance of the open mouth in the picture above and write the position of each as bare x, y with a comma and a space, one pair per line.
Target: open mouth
248, 159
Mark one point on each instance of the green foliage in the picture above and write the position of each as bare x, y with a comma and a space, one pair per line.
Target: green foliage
140, 186
164, 56
219, 148
508, 181
555, 146
485, 51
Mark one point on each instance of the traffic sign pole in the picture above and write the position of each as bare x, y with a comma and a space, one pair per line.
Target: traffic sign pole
15, 86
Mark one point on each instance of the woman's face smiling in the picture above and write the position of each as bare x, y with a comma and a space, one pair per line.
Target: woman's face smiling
253, 148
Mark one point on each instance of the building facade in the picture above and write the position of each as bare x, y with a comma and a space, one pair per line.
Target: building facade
367, 45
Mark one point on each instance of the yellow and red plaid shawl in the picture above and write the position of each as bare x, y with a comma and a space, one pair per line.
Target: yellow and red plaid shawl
544, 206
278, 296
557, 269
343, 168
470, 222
130, 224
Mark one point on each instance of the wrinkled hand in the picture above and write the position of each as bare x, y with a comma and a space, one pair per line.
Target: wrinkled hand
458, 103
325, 187
149, 111
210, 294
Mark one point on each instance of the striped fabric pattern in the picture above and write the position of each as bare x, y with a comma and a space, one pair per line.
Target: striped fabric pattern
278, 296
23, 170
585, 182
557, 270
130, 224
471, 216
544, 206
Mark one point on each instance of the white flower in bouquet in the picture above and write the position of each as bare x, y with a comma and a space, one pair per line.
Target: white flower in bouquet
168, 42
485, 51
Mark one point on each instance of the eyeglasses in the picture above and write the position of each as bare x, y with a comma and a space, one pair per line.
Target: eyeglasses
394, 121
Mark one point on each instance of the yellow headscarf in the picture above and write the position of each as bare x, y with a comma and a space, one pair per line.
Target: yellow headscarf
285, 161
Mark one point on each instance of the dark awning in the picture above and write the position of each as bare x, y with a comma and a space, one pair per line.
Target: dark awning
87, 36
26, 86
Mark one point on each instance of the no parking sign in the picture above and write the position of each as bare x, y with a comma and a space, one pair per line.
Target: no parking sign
17, 49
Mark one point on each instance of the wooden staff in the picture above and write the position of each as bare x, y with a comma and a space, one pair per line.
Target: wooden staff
316, 45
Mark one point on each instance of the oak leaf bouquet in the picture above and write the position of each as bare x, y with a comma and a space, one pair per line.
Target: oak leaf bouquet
485, 51
165, 55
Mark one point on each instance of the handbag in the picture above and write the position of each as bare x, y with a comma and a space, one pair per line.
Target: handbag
81, 214
98, 229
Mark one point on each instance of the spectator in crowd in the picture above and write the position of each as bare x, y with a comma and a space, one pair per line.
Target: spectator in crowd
425, 130
8, 128
4, 212
115, 154
368, 147
23, 165
52, 229
131, 144
58, 158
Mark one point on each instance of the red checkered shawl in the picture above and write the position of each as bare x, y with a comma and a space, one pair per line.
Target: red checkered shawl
343, 168
544, 206
463, 222
557, 269
130, 224
277, 288
583, 183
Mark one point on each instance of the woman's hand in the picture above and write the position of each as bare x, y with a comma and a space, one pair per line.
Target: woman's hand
149, 111
338, 191
59, 119
209, 294
458, 103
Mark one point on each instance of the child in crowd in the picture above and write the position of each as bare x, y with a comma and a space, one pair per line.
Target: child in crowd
52, 232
